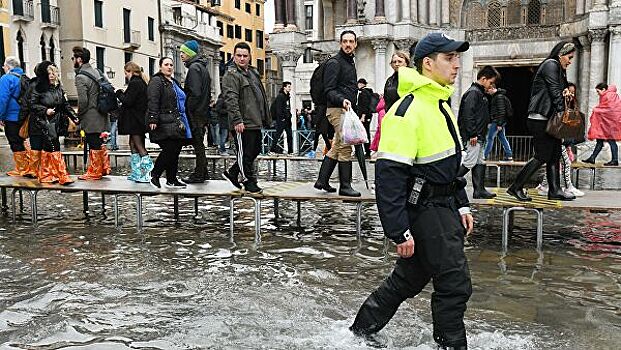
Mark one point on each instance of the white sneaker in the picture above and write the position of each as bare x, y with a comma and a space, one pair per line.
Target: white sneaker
573, 190
542, 190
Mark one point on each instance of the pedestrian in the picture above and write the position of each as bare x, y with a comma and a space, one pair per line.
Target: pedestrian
49, 119
391, 95
132, 121
197, 89
223, 124
606, 123
10, 108
473, 119
381, 112
340, 84
422, 204
500, 111
363, 108
247, 107
114, 131
92, 121
167, 123
281, 108
547, 100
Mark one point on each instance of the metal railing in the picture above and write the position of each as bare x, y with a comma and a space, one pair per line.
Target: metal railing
303, 138
521, 146
50, 14
23, 9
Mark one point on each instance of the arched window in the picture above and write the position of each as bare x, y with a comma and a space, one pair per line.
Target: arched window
20, 48
494, 14
42, 43
534, 12
475, 15
52, 50
514, 12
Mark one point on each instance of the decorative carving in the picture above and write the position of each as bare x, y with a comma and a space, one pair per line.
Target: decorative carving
598, 35
405, 44
585, 42
321, 57
513, 33
615, 31
379, 44
360, 7
289, 58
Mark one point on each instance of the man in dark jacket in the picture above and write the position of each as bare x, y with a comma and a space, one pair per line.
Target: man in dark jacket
246, 105
340, 86
472, 120
282, 112
364, 111
197, 89
500, 112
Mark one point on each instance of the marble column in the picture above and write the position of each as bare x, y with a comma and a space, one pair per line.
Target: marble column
579, 7
423, 12
352, 11
584, 78
379, 10
598, 63
414, 11
433, 12
288, 62
446, 12
405, 11
600, 5
379, 45
279, 14
614, 56
291, 14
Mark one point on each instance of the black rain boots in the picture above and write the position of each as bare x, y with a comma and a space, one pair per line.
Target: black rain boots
478, 182
327, 168
517, 188
345, 188
554, 183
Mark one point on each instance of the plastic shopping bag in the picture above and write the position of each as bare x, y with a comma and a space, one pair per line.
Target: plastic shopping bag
353, 130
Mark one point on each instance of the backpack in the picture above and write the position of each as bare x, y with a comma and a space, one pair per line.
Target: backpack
375, 98
317, 92
106, 98
24, 96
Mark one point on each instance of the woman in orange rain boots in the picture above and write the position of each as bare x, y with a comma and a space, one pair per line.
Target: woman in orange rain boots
49, 120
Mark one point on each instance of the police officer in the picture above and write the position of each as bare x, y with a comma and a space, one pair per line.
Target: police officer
422, 203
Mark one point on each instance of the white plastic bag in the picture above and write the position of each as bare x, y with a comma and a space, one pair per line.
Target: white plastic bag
353, 131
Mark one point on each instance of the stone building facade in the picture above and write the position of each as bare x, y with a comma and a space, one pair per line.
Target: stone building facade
513, 35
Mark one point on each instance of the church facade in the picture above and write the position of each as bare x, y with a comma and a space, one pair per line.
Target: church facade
512, 35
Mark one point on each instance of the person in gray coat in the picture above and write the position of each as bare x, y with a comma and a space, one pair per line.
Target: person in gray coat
92, 121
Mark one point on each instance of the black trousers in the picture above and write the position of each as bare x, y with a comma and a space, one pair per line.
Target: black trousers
367, 128
248, 149
280, 127
168, 159
438, 257
547, 147
198, 136
94, 141
43, 143
11, 130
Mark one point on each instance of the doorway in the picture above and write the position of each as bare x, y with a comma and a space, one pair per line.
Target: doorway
517, 81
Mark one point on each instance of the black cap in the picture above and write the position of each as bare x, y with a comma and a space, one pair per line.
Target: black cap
363, 81
438, 42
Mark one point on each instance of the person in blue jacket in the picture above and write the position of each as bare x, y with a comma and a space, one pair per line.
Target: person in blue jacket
10, 89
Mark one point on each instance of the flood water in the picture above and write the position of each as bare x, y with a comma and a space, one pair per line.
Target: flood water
78, 283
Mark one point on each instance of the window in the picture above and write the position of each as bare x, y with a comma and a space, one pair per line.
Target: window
230, 31
260, 39
100, 54
151, 66
2, 53
249, 35
228, 56
248, 8
177, 15
52, 50
308, 16
128, 56
99, 13
261, 67
494, 14
238, 4
151, 28
534, 12
46, 13
20, 48
258, 10
43, 53
268, 63
238, 32
127, 33
220, 26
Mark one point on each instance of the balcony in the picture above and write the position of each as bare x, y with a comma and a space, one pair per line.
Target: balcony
23, 10
132, 39
50, 16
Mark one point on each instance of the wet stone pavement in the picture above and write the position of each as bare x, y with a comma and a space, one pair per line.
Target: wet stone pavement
77, 283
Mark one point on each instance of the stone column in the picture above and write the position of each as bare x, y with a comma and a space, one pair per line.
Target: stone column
614, 56
579, 7
584, 78
291, 15
288, 62
414, 11
433, 12
600, 5
379, 45
279, 14
405, 11
446, 12
379, 10
352, 11
328, 20
598, 63
423, 12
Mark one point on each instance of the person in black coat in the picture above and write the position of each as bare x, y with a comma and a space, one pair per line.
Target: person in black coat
282, 115
363, 108
132, 121
391, 95
223, 124
500, 111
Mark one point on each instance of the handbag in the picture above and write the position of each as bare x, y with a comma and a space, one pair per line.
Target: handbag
568, 125
23, 130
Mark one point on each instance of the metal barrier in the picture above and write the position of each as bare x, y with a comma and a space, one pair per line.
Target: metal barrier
521, 146
304, 139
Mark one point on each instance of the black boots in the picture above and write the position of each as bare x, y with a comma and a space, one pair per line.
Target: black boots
517, 188
345, 188
462, 171
554, 183
327, 167
478, 182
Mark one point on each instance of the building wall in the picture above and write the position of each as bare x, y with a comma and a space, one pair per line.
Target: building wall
5, 19
79, 29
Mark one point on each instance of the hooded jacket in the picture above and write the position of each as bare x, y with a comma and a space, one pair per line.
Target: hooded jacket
606, 117
10, 89
197, 88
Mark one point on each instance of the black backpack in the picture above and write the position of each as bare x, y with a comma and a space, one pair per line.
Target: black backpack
24, 96
317, 91
106, 98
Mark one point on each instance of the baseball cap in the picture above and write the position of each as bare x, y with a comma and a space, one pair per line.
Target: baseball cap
438, 42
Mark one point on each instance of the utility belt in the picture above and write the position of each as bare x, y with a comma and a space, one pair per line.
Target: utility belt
421, 190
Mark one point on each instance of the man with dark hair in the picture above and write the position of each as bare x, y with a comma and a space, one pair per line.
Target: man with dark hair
340, 86
421, 199
363, 108
92, 121
473, 119
281, 108
248, 111
197, 89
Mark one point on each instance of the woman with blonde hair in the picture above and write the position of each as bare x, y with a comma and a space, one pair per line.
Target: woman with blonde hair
49, 118
132, 121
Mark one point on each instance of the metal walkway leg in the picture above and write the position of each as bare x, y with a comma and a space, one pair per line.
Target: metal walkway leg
196, 206
359, 219
506, 220
139, 211
276, 202
33, 206
231, 214
176, 207
299, 209
592, 179
116, 211
4, 199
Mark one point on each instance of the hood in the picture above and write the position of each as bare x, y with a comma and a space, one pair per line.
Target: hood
43, 82
196, 58
410, 80
612, 88
17, 70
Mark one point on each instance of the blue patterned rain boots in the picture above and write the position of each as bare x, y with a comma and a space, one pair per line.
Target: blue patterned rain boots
144, 172
134, 164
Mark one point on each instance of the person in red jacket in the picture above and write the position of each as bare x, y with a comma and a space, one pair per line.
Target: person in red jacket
606, 123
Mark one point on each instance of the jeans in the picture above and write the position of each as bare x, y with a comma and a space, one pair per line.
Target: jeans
113, 135
613, 149
491, 134
280, 127
222, 137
